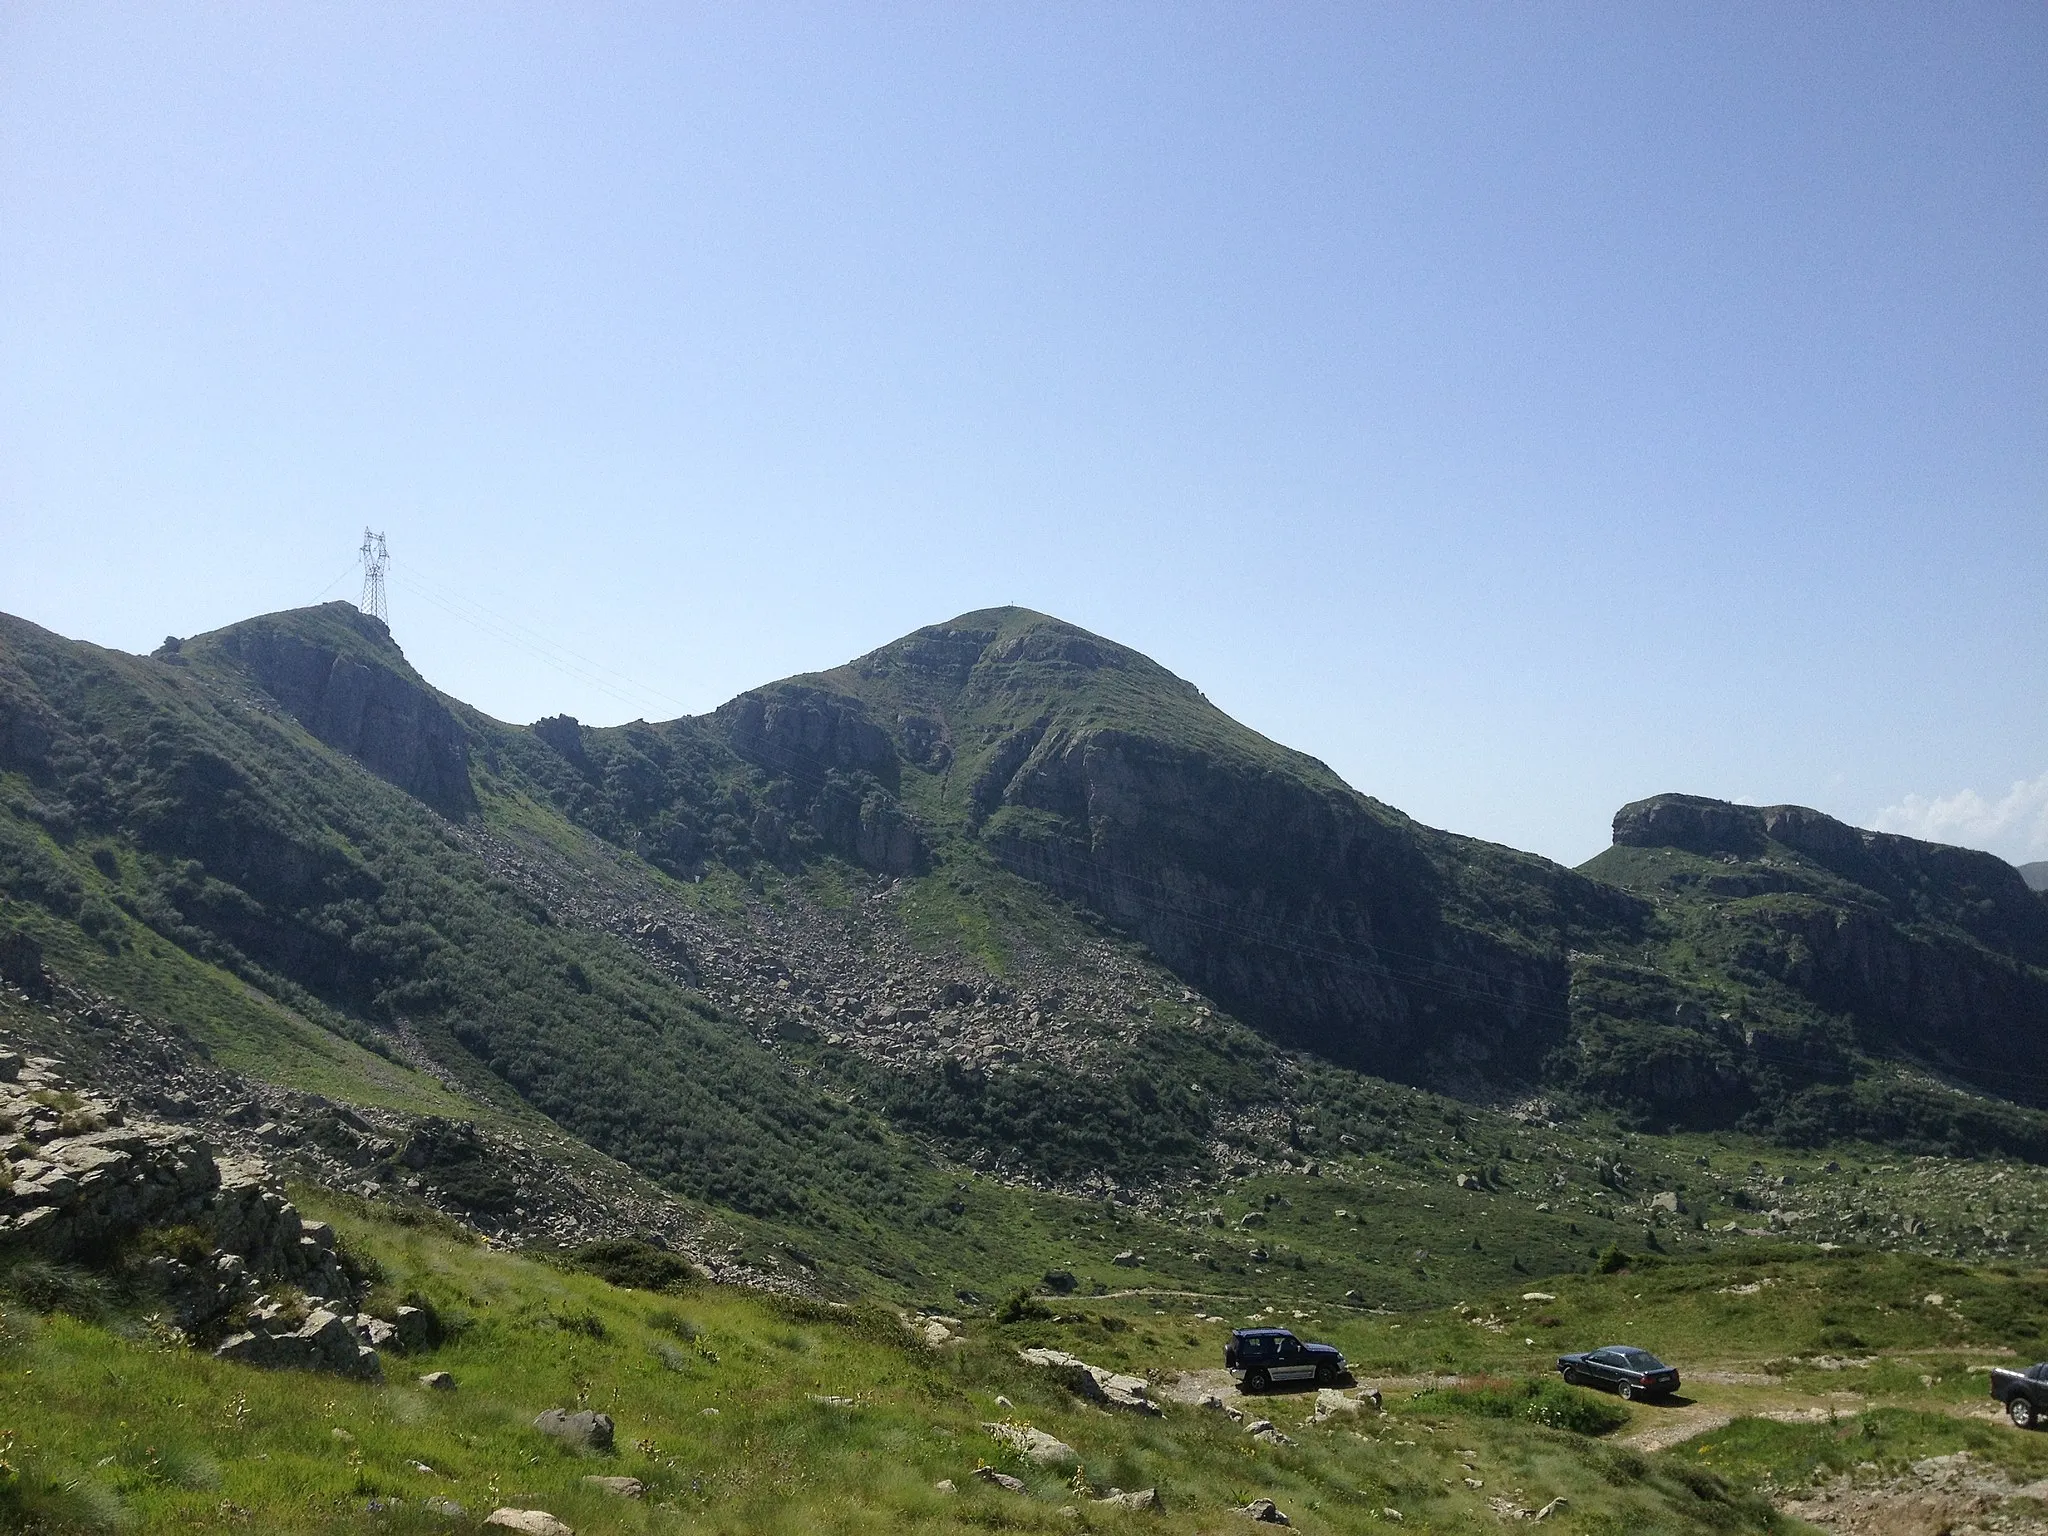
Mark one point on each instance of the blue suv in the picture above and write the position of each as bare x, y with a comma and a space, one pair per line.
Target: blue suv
1259, 1357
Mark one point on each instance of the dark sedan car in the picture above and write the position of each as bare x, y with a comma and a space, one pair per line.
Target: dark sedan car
1258, 1357
1630, 1371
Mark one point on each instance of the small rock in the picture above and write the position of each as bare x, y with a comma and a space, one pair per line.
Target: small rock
583, 1429
1128, 1259
1000, 1479
1143, 1498
1330, 1403
1266, 1512
1004, 1402
944, 1485
1033, 1444
618, 1487
438, 1381
448, 1509
1560, 1502
1537, 1296
534, 1522
824, 1401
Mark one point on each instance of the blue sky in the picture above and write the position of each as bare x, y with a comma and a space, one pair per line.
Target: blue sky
1523, 408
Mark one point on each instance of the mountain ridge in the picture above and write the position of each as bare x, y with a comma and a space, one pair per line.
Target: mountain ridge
1001, 887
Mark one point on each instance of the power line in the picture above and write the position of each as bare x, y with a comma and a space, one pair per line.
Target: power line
609, 681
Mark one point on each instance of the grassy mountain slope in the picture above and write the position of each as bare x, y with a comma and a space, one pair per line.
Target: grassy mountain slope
891, 963
739, 1412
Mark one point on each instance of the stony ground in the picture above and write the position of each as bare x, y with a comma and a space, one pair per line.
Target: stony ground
563, 1193
1941, 1496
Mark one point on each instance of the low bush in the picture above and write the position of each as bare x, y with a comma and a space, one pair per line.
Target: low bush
636, 1265
1536, 1399
46, 1287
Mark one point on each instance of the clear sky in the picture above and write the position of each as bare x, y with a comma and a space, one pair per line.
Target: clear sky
1524, 408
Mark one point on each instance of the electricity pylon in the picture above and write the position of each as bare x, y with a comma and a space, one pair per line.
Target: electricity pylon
375, 558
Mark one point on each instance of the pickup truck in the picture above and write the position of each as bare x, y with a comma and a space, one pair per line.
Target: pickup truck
1258, 1357
2024, 1393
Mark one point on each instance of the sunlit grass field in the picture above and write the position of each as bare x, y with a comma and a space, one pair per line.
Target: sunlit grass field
745, 1413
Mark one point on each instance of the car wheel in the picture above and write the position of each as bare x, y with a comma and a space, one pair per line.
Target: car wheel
1572, 1378
2023, 1413
1325, 1373
1628, 1390
1256, 1379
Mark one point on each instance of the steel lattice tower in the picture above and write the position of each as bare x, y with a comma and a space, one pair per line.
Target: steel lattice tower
375, 558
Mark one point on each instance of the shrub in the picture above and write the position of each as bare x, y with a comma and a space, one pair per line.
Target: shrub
1613, 1261
627, 1262
1536, 1399
1021, 1306
579, 1320
668, 1320
46, 1287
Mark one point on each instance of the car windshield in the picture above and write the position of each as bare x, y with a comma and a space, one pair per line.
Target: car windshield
1640, 1360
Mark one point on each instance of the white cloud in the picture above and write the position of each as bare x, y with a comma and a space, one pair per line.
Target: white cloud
2013, 826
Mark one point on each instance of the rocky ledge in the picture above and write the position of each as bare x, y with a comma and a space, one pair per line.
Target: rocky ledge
84, 1182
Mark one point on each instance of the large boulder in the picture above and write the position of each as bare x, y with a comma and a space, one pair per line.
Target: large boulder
583, 1429
1034, 1444
1098, 1384
534, 1522
322, 1341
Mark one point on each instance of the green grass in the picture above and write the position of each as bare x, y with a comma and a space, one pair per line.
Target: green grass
1882, 1442
117, 1430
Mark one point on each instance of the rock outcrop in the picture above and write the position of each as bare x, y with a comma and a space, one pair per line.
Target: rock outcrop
1034, 1444
581, 1428
86, 1184
1098, 1384
362, 699
80, 1177
280, 1338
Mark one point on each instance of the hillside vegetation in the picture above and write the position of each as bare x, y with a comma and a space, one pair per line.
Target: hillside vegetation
738, 1412
995, 976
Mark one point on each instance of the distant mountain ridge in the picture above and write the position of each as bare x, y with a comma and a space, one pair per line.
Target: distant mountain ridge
2035, 874
289, 798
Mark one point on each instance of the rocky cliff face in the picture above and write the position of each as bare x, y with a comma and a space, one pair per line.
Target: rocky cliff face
1912, 880
1929, 954
1295, 904
841, 768
1331, 921
363, 701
